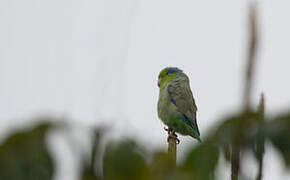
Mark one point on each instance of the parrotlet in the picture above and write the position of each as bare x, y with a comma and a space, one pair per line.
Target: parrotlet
176, 105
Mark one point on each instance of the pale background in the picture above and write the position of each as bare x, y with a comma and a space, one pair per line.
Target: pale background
97, 61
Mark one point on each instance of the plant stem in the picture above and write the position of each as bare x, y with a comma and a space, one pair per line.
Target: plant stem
261, 140
251, 63
235, 161
249, 73
172, 145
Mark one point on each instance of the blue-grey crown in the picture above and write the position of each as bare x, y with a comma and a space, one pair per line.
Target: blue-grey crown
173, 70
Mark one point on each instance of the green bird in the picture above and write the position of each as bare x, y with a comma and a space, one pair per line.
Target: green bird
176, 105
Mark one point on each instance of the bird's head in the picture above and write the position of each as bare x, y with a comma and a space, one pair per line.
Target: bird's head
167, 74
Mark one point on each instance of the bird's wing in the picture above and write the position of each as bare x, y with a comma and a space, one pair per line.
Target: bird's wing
181, 96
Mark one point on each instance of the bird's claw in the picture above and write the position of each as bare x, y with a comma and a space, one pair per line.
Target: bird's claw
176, 139
167, 129
171, 134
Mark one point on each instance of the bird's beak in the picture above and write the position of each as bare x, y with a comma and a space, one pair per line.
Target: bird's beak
159, 82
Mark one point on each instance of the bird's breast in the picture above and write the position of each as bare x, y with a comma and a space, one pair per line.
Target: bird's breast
164, 104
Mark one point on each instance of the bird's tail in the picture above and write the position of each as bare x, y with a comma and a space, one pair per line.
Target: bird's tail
195, 133
199, 139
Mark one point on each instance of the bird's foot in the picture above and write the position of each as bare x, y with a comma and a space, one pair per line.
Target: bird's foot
172, 135
169, 130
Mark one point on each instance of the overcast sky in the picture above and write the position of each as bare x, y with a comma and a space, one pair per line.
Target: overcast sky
97, 61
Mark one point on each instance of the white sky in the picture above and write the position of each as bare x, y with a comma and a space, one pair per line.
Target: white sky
97, 62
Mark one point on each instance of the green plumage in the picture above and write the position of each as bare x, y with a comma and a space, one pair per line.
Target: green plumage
176, 105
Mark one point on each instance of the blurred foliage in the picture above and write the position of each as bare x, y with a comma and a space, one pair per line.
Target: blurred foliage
88, 171
24, 154
124, 161
278, 132
202, 161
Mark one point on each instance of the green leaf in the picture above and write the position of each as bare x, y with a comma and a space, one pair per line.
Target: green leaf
278, 132
202, 161
124, 161
24, 155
